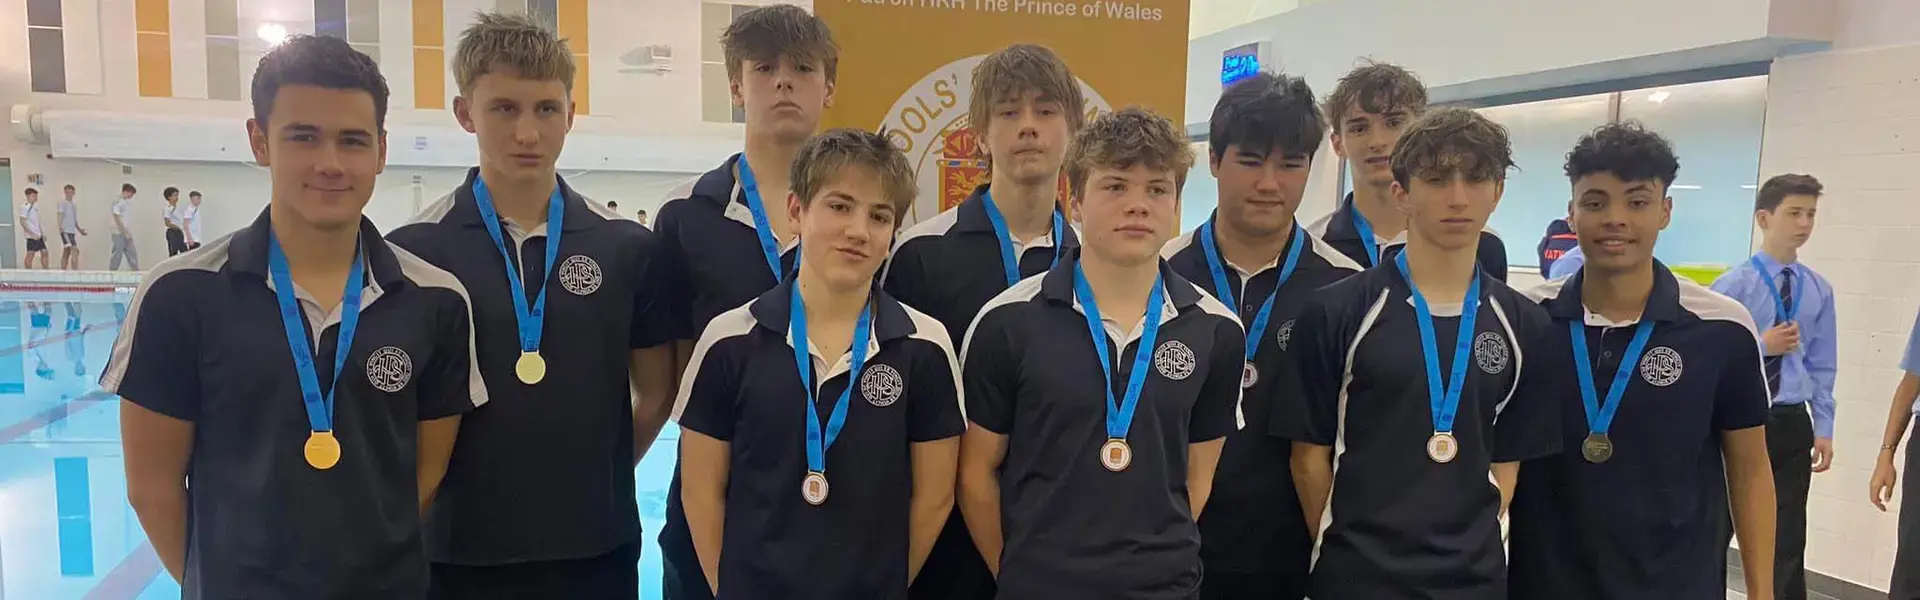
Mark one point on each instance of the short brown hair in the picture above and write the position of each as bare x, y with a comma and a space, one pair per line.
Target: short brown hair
828, 154
513, 43
1126, 138
1777, 188
33, 192
1375, 87
776, 31
1453, 140
1017, 69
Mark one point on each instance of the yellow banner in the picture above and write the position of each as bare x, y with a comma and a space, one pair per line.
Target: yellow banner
907, 65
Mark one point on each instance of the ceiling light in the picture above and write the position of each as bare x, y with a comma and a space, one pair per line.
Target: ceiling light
273, 33
1682, 186
1658, 97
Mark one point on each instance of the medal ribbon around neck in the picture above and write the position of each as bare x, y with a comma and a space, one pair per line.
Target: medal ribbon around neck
1600, 415
1365, 229
762, 228
1783, 309
532, 319
323, 449
1216, 264
818, 441
1444, 404
1120, 415
1008, 260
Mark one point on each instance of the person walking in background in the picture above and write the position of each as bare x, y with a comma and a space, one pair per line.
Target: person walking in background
30, 226
70, 230
172, 216
641, 215
1794, 306
1903, 410
190, 220
123, 236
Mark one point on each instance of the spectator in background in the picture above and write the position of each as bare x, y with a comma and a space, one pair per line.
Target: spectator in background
1558, 241
1906, 561
641, 215
30, 224
70, 230
123, 237
613, 206
176, 235
190, 219
1567, 264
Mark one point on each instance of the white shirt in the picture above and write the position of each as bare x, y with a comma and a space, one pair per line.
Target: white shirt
32, 214
120, 210
69, 217
173, 214
190, 215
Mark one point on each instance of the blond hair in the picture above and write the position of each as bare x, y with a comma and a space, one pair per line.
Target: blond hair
512, 43
1015, 70
828, 154
1130, 137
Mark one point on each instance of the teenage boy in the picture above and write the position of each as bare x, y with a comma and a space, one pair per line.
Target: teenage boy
175, 219
70, 230
1254, 257
568, 319
1370, 109
1662, 396
1801, 362
122, 235
1101, 392
1904, 409
190, 220
769, 520
1422, 372
30, 226
723, 246
1026, 105
293, 498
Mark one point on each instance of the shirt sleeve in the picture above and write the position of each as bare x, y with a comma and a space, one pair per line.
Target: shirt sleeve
155, 360
935, 408
1741, 400
708, 394
1320, 355
652, 319
1910, 362
1823, 362
1529, 426
1217, 412
990, 371
452, 383
673, 273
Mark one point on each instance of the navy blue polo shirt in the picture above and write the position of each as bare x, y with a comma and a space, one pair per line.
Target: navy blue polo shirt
545, 472
1073, 529
1253, 524
949, 265
743, 388
1400, 525
1648, 522
203, 343
713, 263
1337, 229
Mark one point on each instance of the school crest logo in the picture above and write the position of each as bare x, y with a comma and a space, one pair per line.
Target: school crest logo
1661, 366
580, 275
929, 123
389, 369
1285, 335
1490, 352
881, 385
1174, 360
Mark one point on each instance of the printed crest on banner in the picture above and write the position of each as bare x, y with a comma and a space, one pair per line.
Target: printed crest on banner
389, 369
929, 123
1662, 367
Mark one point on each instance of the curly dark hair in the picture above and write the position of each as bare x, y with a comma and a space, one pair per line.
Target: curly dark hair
1266, 113
1453, 140
319, 61
1628, 151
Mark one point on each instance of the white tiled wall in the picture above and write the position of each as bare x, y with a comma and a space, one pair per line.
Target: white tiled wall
1852, 118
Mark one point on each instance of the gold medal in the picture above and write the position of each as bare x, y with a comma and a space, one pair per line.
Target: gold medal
1115, 455
531, 368
1597, 448
1249, 376
323, 450
813, 489
1443, 447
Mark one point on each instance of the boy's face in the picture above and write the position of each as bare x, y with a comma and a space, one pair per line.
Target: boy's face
1366, 139
69, 191
1618, 221
323, 148
194, 199
1260, 190
1127, 215
521, 124
33, 197
1027, 137
784, 98
128, 194
847, 228
1448, 209
1792, 221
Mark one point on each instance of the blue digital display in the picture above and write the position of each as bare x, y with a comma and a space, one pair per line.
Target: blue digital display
1239, 63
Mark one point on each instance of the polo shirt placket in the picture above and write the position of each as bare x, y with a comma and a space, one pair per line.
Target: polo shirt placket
744, 388
1647, 523
261, 522
1072, 528
1337, 229
1364, 393
546, 471
950, 265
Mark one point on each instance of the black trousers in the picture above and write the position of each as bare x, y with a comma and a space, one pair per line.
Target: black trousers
1790, 449
611, 576
954, 569
1906, 562
176, 241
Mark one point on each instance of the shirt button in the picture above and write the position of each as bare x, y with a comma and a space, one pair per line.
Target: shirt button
1606, 354
1249, 308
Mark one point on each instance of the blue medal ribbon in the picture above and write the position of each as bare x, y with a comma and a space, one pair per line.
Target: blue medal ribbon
1216, 265
1365, 229
319, 405
819, 441
1120, 415
532, 321
1008, 261
1783, 310
769, 247
1444, 404
1599, 415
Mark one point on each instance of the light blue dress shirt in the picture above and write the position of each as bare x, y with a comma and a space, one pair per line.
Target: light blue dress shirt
1806, 374
1567, 264
1911, 362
